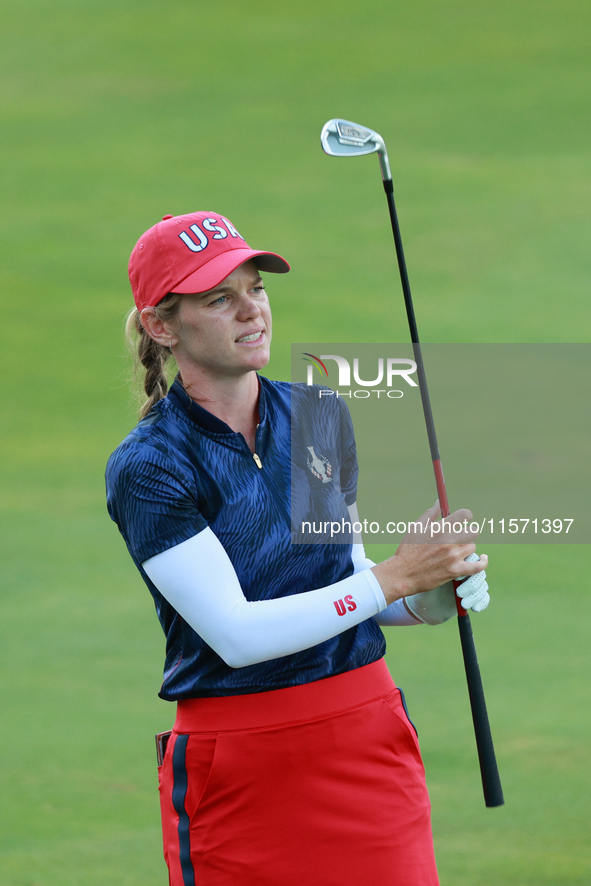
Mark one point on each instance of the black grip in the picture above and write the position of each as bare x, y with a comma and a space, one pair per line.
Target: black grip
491, 782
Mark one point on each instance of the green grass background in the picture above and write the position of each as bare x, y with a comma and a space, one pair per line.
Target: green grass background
115, 113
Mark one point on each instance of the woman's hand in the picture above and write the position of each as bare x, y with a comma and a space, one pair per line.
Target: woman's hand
440, 557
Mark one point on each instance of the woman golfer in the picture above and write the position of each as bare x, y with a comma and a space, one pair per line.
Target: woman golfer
292, 760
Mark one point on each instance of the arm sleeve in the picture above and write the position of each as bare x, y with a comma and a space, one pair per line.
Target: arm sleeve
397, 615
360, 561
199, 581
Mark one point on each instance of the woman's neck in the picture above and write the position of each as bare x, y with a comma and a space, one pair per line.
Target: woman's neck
234, 400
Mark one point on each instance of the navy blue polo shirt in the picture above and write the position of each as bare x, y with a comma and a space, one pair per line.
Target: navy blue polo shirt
182, 469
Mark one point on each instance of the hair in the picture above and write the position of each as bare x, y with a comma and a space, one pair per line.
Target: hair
149, 354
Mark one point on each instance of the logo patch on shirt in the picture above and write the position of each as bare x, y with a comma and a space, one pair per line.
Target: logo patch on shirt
319, 465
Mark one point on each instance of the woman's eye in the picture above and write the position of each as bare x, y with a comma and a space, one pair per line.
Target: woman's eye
220, 300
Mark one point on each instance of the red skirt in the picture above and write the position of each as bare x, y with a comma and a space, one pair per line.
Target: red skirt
315, 784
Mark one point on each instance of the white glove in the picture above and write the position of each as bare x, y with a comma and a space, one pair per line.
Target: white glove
474, 591
435, 607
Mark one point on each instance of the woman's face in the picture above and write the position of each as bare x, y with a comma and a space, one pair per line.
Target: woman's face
227, 330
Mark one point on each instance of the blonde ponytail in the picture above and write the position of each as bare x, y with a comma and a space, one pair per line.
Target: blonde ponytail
152, 356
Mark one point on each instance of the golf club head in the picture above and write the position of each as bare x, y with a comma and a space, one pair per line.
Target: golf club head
342, 138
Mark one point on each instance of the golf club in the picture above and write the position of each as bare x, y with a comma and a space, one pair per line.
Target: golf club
342, 138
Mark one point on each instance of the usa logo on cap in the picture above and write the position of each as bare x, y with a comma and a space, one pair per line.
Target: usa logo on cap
191, 253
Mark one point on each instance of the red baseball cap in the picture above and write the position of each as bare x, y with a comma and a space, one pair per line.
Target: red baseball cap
191, 253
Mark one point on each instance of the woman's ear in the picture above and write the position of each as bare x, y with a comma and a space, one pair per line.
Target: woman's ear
157, 328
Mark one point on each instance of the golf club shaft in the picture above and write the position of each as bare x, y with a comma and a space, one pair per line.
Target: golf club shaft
491, 783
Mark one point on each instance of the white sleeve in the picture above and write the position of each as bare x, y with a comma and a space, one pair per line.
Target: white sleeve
360, 561
199, 581
397, 615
